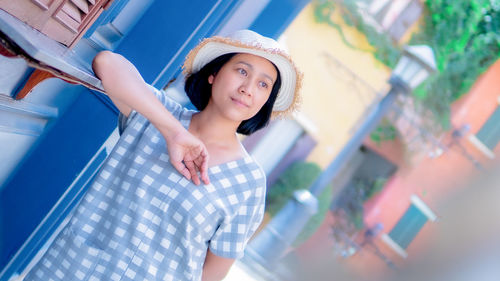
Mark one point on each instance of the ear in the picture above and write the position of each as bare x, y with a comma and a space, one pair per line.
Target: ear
211, 79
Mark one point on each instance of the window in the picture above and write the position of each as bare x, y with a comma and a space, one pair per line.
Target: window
489, 134
409, 225
62, 20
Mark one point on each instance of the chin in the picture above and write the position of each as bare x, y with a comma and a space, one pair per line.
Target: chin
238, 116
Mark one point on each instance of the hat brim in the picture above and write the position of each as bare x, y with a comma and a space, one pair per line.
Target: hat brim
211, 48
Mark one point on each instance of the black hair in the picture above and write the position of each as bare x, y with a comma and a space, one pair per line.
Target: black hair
199, 92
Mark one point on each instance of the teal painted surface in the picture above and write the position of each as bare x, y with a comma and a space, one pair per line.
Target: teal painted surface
408, 226
490, 131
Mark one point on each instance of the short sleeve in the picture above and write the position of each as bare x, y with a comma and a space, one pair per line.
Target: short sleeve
171, 105
231, 237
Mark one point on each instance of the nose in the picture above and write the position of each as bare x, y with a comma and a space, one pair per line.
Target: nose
245, 88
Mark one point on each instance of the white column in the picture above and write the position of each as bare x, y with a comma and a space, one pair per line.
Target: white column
276, 143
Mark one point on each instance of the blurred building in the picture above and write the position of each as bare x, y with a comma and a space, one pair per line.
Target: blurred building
419, 168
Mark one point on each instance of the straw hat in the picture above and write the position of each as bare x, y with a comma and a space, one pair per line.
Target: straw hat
247, 41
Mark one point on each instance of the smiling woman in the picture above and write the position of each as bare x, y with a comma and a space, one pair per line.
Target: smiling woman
246, 81
199, 89
146, 216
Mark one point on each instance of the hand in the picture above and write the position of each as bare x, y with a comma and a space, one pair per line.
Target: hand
188, 155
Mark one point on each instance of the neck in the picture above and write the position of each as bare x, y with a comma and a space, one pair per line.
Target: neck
213, 128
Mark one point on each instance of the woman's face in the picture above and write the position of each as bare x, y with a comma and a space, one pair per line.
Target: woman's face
242, 86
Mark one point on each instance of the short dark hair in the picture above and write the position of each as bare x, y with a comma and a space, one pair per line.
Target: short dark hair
199, 92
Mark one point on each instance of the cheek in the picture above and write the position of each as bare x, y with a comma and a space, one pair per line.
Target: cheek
262, 99
259, 102
217, 89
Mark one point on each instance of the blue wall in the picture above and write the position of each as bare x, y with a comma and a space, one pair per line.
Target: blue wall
277, 16
51, 167
167, 32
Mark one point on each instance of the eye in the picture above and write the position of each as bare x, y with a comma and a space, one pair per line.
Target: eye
242, 71
263, 84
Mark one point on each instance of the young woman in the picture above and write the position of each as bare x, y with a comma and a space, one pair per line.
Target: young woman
178, 197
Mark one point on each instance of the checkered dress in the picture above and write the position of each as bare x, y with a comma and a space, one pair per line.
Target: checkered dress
141, 220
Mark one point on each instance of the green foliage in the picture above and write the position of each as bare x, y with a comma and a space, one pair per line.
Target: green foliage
352, 198
356, 215
299, 175
385, 131
464, 36
384, 49
372, 187
322, 13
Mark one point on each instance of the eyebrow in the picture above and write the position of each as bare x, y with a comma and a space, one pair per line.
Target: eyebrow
251, 67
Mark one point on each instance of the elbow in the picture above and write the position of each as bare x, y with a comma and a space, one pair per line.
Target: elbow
102, 63
214, 274
214, 277
221, 275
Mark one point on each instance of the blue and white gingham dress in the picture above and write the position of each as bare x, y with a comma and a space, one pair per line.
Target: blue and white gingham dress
141, 220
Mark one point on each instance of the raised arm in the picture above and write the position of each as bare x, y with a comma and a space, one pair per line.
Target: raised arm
126, 88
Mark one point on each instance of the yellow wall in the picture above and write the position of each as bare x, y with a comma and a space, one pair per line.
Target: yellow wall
329, 98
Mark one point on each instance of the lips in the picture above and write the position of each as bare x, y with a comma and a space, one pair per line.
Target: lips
239, 102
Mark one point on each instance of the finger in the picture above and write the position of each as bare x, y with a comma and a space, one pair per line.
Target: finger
205, 178
202, 164
181, 168
203, 173
204, 168
192, 169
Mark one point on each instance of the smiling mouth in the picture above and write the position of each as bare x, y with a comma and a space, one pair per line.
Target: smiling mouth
238, 102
